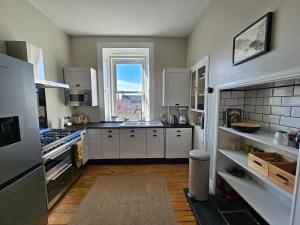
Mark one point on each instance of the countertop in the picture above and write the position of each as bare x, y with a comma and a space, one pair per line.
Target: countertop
117, 125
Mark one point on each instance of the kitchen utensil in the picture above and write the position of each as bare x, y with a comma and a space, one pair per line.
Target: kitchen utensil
246, 127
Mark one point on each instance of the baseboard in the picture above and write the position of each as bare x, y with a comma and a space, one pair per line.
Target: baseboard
135, 161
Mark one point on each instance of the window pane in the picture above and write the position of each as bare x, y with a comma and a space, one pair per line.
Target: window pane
129, 80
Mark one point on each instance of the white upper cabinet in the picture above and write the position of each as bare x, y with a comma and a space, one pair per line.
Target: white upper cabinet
176, 87
198, 86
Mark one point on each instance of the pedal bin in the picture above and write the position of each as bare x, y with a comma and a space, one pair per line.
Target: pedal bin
199, 174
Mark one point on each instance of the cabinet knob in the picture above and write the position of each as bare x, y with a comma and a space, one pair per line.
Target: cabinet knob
154, 131
177, 104
178, 131
178, 135
132, 136
132, 131
77, 85
109, 136
109, 131
154, 135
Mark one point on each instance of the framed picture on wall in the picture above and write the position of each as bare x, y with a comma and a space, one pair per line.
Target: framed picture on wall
255, 40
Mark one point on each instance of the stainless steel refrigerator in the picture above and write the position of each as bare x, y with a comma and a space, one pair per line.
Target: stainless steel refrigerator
22, 184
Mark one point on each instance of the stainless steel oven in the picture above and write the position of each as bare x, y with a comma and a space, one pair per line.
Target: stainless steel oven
76, 97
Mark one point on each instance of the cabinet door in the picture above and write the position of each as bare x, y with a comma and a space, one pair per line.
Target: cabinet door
178, 145
193, 91
132, 146
176, 87
155, 146
94, 143
79, 78
86, 149
110, 146
200, 88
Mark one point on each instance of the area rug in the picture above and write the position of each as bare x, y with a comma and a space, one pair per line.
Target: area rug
126, 200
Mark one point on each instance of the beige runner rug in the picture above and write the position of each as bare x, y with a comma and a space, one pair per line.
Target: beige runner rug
126, 200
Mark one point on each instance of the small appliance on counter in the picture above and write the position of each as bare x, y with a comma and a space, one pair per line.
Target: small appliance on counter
173, 119
182, 115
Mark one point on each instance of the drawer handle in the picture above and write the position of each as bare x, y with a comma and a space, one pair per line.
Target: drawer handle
109, 131
177, 104
132, 136
178, 131
285, 180
132, 131
154, 131
154, 135
109, 136
178, 135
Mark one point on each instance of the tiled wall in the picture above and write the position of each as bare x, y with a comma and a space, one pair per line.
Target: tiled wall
274, 108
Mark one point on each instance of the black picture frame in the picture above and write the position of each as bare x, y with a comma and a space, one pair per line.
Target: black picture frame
266, 47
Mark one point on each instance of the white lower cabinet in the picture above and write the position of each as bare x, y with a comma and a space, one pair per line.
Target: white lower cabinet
84, 138
178, 142
94, 143
155, 143
110, 145
133, 145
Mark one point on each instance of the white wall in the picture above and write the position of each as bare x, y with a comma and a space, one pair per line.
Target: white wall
214, 34
168, 52
20, 21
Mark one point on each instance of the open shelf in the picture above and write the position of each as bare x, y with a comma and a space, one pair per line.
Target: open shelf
264, 137
267, 205
241, 158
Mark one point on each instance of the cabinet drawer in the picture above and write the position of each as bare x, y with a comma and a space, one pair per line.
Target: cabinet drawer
110, 131
133, 131
94, 131
155, 130
179, 130
155, 146
178, 145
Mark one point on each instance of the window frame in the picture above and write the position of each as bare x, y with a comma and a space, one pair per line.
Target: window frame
145, 82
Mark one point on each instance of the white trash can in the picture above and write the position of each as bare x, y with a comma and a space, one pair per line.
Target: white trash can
199, 175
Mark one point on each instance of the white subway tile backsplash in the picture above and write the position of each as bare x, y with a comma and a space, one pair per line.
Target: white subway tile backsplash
284, 83
241, 101
263, 109
222, 101
281, 111
271, 119
283, 91
296, 111
247, 101
249, 108
290, 121
225, 94
297, 81
276, 101
238, 94
275, 128
231, 101
265, 92
256, 101
251, 94
297, 90
265, 126
255, 116
291, 101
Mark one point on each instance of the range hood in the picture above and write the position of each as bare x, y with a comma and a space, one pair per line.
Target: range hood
32, 54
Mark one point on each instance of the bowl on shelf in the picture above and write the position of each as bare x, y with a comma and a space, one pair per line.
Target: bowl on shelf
246, 127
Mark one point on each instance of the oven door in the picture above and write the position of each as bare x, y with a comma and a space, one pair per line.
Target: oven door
78, 97
59, 181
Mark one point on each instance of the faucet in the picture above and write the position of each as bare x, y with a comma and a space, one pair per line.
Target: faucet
141, 113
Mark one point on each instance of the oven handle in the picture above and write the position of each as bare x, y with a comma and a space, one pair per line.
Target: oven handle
65, 168
56, 155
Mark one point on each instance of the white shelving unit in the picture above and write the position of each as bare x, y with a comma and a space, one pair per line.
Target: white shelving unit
266, 204
266, 138
273, 203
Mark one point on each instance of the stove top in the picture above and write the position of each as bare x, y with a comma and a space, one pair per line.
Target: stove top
53, 138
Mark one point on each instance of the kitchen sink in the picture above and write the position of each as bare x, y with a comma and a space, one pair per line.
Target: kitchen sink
142, 124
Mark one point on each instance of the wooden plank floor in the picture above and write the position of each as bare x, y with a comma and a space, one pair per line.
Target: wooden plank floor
176, 178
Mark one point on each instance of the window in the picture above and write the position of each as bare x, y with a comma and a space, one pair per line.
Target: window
129, 90
126, 83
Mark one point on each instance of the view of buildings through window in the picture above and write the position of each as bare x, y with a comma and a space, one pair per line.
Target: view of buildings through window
129, 91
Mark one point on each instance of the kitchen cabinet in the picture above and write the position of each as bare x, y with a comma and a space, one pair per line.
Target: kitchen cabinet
133, 143
84, 139
110, 144
176, 87
94, 143
155, 143
198, 86
178, 142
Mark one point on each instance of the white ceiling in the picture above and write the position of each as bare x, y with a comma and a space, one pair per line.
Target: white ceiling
171, 18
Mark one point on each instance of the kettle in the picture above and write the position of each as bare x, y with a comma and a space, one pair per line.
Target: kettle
172, 119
